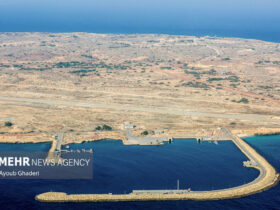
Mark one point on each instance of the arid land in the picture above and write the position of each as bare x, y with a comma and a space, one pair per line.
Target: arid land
182, 85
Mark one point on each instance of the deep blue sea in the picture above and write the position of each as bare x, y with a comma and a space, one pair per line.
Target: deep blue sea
119, 169
254, 19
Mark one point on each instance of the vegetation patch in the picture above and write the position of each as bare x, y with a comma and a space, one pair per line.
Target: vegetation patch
165, 67
87, 56
33, 69
265, 87
243, 100
197, 74
8, 124
196, 85
103, 128
230, 78
144, 133
82, 71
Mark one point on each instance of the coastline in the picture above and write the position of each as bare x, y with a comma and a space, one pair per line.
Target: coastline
267, 178
213, 35
70, 138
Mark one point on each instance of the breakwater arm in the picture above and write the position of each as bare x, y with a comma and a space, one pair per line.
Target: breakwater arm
267, 178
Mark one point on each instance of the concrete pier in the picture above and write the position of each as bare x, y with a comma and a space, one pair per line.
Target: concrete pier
55, 150
267, 178
60, 136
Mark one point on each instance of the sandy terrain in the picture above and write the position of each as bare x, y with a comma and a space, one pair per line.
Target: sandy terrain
178, 84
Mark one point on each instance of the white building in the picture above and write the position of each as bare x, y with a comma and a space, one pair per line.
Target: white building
129, 126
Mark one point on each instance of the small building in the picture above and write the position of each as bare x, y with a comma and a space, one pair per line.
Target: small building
129, 126
156, 132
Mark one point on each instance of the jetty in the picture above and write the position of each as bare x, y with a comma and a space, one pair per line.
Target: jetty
55, 150
268, 177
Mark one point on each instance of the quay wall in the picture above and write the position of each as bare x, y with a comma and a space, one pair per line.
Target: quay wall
267, 178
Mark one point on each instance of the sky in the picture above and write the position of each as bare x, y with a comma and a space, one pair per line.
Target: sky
146, 16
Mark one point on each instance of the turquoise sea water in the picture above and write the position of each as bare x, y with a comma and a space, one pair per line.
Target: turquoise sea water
119, 169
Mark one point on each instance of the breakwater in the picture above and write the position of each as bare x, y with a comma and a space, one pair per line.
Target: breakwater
267, 178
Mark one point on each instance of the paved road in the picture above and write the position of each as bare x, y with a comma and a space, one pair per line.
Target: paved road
249, 156
59, 141
250, 117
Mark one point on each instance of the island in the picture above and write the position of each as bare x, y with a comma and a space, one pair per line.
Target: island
143, 89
